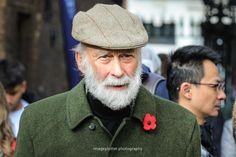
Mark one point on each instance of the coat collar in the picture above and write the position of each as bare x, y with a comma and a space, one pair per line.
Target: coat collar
77, 107
144, 104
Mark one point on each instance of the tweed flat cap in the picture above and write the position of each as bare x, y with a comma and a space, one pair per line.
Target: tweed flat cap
109, 27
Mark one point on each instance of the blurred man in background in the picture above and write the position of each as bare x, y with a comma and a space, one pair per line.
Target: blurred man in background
194, 82
151, 72
12, 76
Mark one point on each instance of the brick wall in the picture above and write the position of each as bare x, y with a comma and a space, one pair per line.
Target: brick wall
31, 33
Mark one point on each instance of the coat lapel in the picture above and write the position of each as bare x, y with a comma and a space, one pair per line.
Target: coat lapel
144, 104
77, 107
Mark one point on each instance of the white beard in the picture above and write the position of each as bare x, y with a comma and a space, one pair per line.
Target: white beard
113, 99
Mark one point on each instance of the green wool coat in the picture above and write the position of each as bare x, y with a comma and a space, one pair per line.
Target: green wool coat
64, 126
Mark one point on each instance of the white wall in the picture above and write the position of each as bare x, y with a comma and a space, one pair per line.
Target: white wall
157, 11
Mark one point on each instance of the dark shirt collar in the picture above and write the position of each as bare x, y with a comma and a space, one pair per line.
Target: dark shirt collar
207, 138
111, 119
104, 112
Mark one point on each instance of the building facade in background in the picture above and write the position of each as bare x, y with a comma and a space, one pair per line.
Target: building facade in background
31, 32
170, 23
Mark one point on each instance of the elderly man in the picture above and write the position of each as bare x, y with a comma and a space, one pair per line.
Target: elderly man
108, 113
194, 82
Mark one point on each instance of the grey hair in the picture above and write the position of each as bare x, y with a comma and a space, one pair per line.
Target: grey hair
80, 48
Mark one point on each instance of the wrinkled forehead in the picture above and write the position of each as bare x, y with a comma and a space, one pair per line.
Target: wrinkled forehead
94, 49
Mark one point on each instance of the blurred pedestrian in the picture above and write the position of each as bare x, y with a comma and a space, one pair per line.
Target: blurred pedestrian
6, 135
228, 145
151, 73
153, 82
12, 76
151, 59
164, 63
194, 82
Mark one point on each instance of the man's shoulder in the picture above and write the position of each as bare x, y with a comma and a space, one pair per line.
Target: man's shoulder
172, 111
169, 105
47, 105
167, 109
56, 104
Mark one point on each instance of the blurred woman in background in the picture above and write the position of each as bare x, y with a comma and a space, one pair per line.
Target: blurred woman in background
228, 145
6, 135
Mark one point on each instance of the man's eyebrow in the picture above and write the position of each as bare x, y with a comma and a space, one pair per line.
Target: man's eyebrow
100, 53
127, 51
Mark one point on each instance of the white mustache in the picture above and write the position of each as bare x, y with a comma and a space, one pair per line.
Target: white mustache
116, 82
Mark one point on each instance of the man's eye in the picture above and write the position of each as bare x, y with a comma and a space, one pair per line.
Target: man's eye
215, 85
126, 57
104, 58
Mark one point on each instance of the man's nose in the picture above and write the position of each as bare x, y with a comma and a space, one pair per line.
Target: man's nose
222, 95
116, 69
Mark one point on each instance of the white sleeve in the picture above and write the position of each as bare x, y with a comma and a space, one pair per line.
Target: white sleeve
228, 145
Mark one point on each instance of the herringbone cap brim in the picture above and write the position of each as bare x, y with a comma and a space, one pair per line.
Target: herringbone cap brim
109, 27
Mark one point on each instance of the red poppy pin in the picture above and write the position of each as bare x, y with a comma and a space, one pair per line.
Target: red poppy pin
13, 145
149, 122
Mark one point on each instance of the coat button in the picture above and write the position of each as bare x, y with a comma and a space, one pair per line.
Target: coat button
92, 126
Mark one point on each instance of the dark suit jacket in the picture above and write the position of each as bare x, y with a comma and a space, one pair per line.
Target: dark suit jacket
64, 126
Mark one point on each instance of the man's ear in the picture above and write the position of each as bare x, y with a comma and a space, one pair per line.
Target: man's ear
185, 90
78, 59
